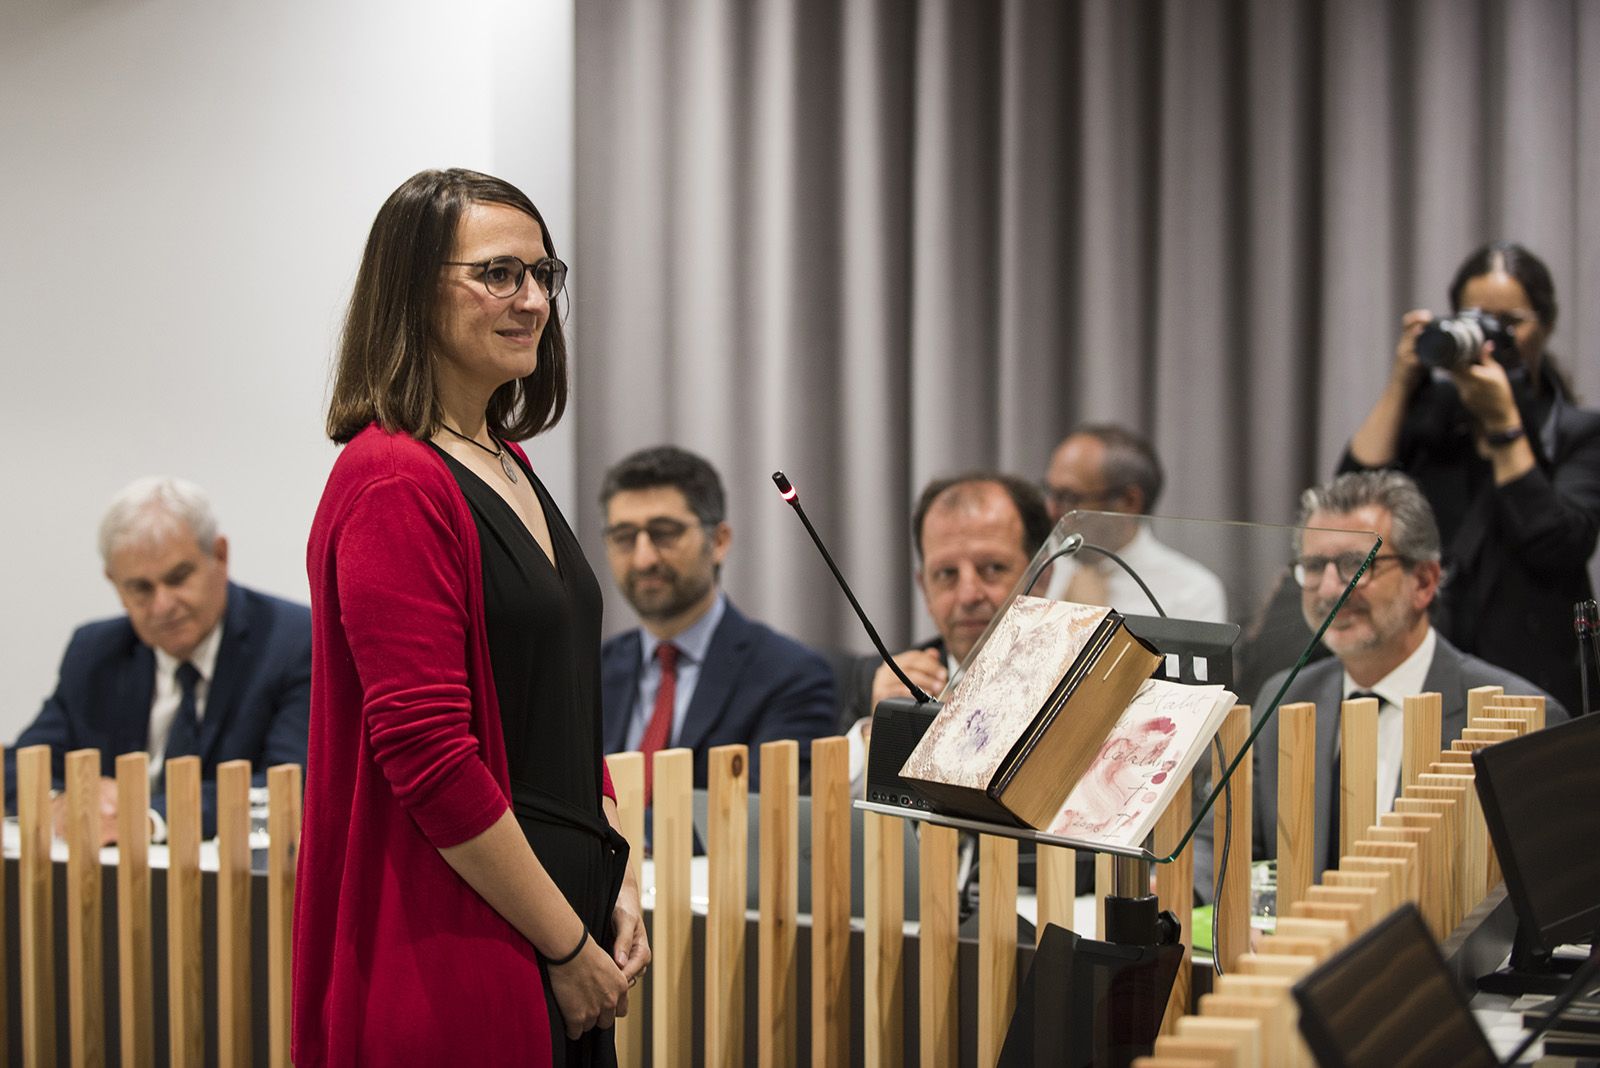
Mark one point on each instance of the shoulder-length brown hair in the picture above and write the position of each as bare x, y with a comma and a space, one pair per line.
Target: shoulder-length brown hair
385, 371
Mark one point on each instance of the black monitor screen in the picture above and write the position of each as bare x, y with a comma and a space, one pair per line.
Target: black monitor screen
1387, 1000
1541, 800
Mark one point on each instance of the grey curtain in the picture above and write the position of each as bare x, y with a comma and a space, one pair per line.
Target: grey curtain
874, 241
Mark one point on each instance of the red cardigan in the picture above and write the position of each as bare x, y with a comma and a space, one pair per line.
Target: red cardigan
396, 959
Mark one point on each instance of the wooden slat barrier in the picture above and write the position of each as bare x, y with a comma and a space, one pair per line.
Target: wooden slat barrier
1423, 715
1358, 769
779, 872
1105, 886
85, 937
727, 854
84, 830
1438, 863
672, 837
233, 912
186, 1025
1175, 891
883, 1000
1297, 800
1233, 903
1056, 884
283, 851
830, 902
36, 906
627, 781
997, 944
1458, 901
1479, 697
135, 946
1431, 849
939, 1005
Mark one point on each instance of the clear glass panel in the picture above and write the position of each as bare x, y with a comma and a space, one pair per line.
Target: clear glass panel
1238, 577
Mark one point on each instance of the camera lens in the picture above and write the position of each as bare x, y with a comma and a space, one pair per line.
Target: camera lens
1451, 343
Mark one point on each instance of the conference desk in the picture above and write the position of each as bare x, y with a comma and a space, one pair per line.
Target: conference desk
158, 927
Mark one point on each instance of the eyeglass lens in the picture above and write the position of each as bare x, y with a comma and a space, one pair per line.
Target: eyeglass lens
502, 276
1308, 570
663, 534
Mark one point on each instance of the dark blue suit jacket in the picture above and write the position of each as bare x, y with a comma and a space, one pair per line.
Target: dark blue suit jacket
257, 705
755, 686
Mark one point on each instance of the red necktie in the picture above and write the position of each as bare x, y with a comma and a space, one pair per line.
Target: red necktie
659, 731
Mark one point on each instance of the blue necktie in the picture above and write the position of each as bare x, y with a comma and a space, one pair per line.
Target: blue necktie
183, 739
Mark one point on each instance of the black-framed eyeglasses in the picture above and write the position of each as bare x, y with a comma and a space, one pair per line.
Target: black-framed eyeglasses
1308, 570
503, 275
663, 534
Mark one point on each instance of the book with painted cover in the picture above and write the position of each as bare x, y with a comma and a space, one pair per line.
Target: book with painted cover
1031, 713
1144, 763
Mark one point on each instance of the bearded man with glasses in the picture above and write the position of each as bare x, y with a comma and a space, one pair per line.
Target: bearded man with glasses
1382, 641
696, 673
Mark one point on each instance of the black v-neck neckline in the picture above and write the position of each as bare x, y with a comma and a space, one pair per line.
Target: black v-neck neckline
553, 559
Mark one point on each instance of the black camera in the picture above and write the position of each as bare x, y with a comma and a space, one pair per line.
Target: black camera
1453, 343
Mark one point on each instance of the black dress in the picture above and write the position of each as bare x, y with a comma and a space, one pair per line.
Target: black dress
543, 627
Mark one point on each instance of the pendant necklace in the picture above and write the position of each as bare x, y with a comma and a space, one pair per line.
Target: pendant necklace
502, 454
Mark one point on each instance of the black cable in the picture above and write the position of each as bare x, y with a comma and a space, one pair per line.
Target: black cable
1222, 857
1075, 543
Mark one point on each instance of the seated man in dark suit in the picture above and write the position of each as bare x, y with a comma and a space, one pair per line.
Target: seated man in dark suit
974, 535
697, 673
1382, 641
198, 666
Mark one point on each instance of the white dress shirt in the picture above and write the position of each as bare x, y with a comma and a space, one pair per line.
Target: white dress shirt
168, 694
1186, 588
1406, 680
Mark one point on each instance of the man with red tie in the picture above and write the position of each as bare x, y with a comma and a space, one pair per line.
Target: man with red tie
696, 673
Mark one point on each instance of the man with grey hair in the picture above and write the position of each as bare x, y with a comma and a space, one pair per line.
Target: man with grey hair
198, 666
1383, 643
1108, 468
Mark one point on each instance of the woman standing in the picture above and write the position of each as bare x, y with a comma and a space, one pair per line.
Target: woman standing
462, 888
1510, 465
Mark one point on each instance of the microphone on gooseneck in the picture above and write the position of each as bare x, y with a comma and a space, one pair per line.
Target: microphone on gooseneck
792, 495
1586, 623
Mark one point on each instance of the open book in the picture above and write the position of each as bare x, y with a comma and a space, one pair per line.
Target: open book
1026, 720
1143, 764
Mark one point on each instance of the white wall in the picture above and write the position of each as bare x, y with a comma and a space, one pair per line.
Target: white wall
185, 189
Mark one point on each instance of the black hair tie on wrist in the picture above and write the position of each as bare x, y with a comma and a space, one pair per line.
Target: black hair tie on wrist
570, 957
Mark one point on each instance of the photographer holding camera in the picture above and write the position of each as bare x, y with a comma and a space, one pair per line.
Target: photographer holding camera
1476, 412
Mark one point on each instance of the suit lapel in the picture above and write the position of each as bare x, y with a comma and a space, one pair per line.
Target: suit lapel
725, 660
1444, 678
223, 691
619, 688
130, 701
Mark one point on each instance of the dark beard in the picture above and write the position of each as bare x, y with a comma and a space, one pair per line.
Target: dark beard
679, 595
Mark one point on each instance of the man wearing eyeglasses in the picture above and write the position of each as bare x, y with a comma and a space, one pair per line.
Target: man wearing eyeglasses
696, 673
1382, 640
1110, 469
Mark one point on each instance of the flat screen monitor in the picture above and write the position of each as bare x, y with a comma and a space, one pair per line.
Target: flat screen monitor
1387, 1000
1541, 800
